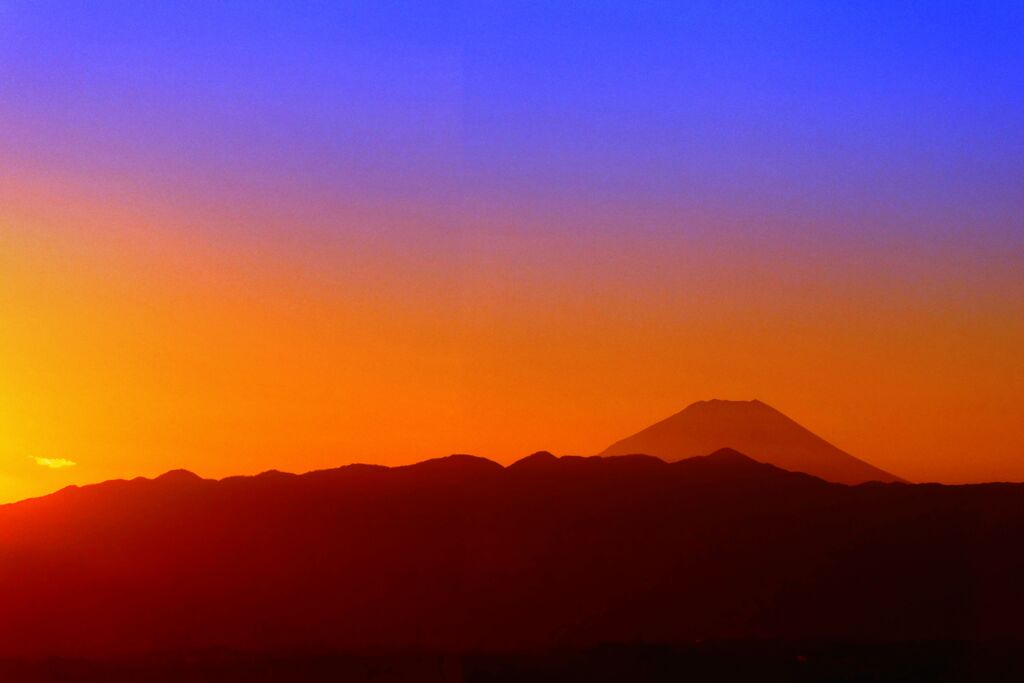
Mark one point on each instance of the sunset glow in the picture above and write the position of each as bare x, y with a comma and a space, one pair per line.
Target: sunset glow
433, 231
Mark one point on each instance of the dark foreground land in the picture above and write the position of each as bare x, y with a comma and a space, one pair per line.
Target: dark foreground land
744, 571
730, 661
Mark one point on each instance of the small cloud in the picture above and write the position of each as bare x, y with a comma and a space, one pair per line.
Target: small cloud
55, 463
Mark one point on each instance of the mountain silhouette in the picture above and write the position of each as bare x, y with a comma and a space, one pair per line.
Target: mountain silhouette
460, 554
754, 428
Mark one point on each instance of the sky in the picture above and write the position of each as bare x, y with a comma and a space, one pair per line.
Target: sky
245, 235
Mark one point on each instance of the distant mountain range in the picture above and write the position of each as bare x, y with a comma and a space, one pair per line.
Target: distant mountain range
757, 430
460, 554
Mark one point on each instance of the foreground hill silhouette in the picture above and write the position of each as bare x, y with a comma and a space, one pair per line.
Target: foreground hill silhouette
461, 555
754, 428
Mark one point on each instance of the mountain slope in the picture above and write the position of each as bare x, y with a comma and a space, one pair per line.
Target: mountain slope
754, 428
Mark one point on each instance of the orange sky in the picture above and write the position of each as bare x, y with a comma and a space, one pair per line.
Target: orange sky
140, 336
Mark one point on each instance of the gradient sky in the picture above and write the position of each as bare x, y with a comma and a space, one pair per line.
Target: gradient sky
242, 236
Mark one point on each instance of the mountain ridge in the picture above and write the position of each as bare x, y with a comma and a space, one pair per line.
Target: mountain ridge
456, 462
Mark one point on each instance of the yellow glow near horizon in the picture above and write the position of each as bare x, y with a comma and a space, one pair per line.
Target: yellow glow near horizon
55, 463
